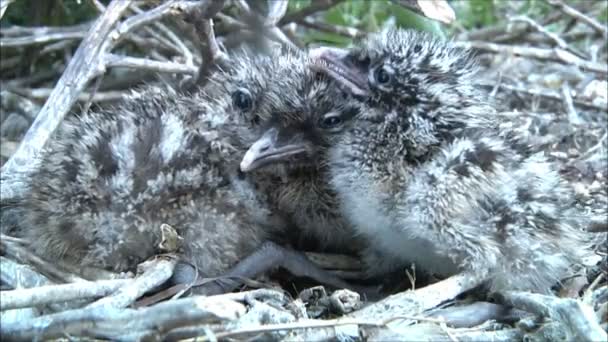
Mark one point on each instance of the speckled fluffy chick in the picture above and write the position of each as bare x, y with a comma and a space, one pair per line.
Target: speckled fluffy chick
423, 173
110, 179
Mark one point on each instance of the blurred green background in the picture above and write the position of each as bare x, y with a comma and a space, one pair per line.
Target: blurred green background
367, 15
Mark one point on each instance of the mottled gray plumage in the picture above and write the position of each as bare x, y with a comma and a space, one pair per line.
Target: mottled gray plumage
109, 180
423, 173
296, 191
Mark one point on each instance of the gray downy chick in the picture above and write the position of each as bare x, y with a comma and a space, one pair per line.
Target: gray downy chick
423, 174
109, 180
293, 179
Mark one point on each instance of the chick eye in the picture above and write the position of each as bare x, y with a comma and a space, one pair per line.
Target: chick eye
382, 76
242, 100
331, 121
256, 120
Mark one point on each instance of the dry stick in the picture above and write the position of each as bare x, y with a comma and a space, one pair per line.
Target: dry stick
259, 24
306, 324
434, 332
156, 273
552, 36
316, 6
22, 254
16, 274
41, 38
210, 51
4, 5
30, 297
412, 302
601, 29
112, 60
44, 93
124, 324
174, 42
578, 318
555, 54
550, 94
573, 116
88, 62
345, 31
276, 12
82, 68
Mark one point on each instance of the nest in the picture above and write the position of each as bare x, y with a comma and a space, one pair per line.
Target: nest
546, 73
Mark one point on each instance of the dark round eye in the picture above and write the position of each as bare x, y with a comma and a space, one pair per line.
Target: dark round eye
331, 121
242, 100
256, 120
382, 76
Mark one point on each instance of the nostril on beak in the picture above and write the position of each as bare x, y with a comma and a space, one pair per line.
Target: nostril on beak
265, 147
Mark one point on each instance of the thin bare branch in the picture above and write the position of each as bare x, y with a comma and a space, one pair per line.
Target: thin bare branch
156, 272
4, 5
574, 13
113, 60
316, 6
84, 66
555, 54
345, 31
577, 317
124, 324
30, 297
276, 11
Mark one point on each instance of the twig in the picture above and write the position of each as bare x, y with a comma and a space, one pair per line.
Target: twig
412, 302
552, 36
573, 117
549, 94
124, 324
4, 5
576, 317
21, 253
20, 275
30, 297
115, 61
83, 67
88, 63
176, 43
41, 94
210, 50
601, 29
316, 6
588, 296
307, 324
434, 332
156, 273
591, 150
345, 31
554, 54
41, 38
276, 11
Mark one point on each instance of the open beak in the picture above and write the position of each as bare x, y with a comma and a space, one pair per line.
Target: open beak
334, 63
268, 149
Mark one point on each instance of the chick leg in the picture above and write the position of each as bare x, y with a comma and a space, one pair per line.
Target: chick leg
266, 258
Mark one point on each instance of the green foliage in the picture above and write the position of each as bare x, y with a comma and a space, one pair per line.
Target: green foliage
369, 16
476, 13
49, 12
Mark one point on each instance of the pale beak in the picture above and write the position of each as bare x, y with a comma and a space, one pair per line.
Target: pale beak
268, 150
334, 63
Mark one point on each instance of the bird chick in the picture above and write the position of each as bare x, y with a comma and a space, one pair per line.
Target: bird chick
422, 172
110, 180
292, 180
